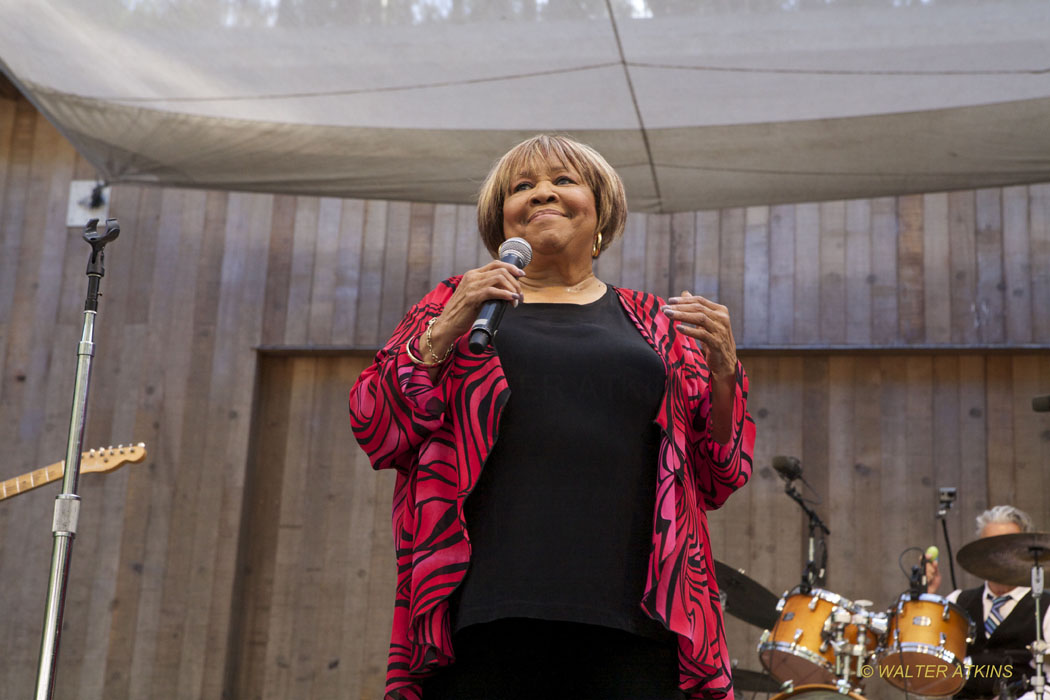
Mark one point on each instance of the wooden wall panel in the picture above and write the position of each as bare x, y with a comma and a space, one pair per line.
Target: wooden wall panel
172, 593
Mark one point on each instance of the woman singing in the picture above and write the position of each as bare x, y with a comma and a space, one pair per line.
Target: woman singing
550, 505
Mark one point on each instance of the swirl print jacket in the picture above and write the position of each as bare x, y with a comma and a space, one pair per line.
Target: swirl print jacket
437, 435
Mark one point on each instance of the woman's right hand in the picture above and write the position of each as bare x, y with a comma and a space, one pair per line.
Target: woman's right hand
496, 280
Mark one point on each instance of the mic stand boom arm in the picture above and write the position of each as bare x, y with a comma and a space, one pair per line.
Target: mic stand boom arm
809, 573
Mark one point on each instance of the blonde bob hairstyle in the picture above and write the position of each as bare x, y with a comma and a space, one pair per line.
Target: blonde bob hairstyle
609, 198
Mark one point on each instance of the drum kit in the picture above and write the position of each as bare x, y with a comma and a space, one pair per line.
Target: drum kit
818, 645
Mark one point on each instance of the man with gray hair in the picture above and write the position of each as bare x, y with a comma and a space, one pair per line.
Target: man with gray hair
1002, 615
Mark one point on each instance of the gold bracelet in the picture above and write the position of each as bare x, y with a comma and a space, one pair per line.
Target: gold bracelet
415, 360
430, 346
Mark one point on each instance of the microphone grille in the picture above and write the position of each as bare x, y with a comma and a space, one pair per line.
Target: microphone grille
517, 246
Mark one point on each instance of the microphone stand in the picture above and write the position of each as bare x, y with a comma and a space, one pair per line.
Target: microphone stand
67, 504
810, 572
942, 513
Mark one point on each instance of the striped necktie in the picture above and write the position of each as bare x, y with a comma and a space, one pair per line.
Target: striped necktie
995, 615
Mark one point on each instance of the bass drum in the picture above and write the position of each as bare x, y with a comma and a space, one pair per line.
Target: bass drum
817, 691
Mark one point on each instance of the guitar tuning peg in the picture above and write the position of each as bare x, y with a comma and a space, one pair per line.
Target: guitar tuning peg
120, 447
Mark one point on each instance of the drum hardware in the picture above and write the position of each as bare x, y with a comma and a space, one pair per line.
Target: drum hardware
816, 633
1014, 560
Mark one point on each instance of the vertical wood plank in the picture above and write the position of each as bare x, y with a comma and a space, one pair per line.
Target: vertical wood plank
658, 255
683, 253
395, 268
1017, 265
1002, 484
442, 261
297, 326
911, 292
832, 272
420, 250
323, 282
840, 511
936, 267
755, 311
15, 202
991, 284
781, 274
867, 470
348, 272
634, 249
368, 331
282, 238
884, 318
1030, 472
1039, 249
731, 270
859, 276
466, 243
807, 274
973, 466
962, 228
708, 254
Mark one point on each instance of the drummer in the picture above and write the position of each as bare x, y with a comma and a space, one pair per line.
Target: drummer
1003, 617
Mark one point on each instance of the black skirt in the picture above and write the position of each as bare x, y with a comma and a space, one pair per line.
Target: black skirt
520, 658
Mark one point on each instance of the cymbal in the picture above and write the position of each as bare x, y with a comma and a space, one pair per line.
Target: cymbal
1006, 559
746, 599
754, 681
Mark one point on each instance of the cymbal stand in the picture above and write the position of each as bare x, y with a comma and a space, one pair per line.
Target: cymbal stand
67, 505
811, 573
1039, 646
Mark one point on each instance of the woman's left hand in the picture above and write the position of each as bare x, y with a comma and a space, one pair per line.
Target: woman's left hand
708, 323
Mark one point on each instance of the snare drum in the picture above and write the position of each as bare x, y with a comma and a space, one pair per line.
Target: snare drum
817, 691
798, 648
926, 646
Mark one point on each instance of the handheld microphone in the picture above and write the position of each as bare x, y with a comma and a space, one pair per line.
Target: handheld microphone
789, 468
518, 253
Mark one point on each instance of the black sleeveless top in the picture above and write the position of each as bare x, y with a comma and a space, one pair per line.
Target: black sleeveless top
560, 522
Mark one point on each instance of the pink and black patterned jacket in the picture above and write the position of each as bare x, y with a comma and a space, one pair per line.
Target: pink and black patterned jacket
437, 436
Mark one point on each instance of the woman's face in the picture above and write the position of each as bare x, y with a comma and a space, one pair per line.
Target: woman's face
551, 207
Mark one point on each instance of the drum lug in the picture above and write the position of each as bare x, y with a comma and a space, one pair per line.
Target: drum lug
813, 603
946, 615
944, 639
798, 635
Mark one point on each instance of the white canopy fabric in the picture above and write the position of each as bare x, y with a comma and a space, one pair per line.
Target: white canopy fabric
698, 103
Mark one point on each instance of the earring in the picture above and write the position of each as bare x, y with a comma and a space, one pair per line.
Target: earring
596, 249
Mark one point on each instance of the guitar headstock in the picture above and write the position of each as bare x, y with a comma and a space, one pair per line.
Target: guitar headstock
106, 459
